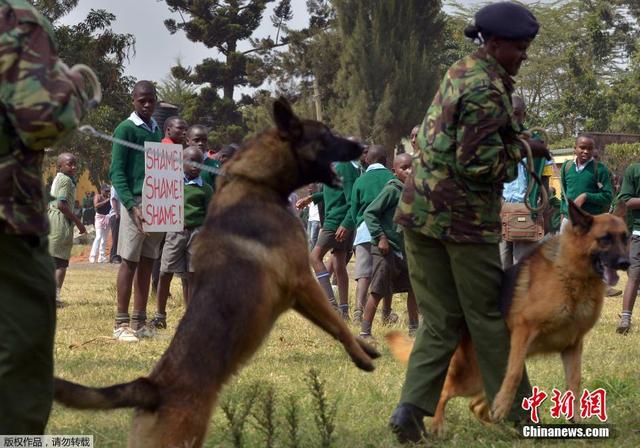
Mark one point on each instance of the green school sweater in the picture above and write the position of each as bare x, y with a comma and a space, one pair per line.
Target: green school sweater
208, 177
196, 202
598, 199
365, 189
337, 200
127, 165
379, 215
629, 189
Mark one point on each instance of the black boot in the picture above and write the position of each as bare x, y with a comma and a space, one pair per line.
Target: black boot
406, 423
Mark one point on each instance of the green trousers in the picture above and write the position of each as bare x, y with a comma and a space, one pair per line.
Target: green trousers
27, 327
455, 284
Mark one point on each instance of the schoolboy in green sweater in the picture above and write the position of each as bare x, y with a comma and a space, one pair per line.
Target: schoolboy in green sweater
390, 273
178, 246
334, 235
591, 191
137, 248
365, 189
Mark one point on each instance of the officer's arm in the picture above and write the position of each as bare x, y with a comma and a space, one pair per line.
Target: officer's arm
40, 101
483, 155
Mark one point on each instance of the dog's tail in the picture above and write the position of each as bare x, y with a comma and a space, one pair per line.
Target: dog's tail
400, 345
141, 393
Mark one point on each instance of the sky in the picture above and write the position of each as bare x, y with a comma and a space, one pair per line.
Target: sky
156, 50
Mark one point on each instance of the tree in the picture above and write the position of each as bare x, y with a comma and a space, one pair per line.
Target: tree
581, 53
224, 25
54, 9
178, 92
92, 42
390, 65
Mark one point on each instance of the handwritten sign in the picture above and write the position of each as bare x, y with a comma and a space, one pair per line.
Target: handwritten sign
163, 188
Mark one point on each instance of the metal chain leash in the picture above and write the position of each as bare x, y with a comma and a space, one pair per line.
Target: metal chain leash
90, 130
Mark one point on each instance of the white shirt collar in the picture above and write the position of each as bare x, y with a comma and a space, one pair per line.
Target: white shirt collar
140, 122
581, 167
376, 166
195, 181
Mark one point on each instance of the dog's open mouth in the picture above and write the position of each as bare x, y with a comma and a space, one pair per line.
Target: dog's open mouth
609, 275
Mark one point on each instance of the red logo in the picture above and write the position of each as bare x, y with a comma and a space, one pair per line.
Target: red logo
533, 403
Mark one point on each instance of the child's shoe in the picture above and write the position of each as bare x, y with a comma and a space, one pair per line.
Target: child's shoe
159, 322
124, 333
92, 259
142, 329
389, 318
625, 324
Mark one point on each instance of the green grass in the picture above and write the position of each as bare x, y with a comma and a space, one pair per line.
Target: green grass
286, 402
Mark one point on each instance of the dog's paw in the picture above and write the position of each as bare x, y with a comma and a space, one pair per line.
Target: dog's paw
363, 363
437, 429
368, 349
500, 408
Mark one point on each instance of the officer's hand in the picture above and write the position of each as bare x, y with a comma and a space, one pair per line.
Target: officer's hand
383, 245
539, 149
302, 203
138, 220
81, 228
341, 234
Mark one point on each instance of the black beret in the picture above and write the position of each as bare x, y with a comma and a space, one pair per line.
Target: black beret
505, 19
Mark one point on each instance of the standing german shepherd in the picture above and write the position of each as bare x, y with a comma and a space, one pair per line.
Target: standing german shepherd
251, 265
551, 298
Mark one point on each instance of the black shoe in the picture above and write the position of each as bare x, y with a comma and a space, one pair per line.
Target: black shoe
406, 423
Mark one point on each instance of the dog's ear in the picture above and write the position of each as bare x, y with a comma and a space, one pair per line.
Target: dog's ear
289, 126
580, 219
621, 210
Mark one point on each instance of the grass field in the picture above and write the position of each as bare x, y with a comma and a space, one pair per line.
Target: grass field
279, 378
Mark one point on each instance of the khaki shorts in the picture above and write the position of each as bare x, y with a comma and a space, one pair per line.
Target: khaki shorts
390, 274
178, 251
364, 263
634, 257
133, 244
327, 238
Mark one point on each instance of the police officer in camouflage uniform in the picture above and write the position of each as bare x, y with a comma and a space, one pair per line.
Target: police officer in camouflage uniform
450, 213
39, 103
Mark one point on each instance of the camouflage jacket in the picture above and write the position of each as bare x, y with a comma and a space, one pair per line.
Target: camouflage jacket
467, 151
39, 104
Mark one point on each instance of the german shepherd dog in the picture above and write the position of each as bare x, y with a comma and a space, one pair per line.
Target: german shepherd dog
551, 299
251, 265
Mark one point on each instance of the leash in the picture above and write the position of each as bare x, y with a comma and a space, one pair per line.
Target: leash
533, 175
91, 131
94, 101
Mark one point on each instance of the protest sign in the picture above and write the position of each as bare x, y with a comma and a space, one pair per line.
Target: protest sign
163, 188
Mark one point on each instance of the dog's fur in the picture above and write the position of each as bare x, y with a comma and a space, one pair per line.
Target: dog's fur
555, 295
251, 265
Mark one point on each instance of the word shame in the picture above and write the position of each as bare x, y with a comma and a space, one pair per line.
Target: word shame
163, 188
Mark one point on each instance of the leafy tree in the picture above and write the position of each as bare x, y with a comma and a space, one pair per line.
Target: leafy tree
92, 42
226, 26
54, 9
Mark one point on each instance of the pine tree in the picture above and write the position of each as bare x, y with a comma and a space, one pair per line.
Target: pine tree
390, 65
224, 25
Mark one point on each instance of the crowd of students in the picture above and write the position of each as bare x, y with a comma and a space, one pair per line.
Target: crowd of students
118, 207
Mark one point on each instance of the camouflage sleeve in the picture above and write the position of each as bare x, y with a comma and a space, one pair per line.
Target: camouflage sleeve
484, 153
41, 102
